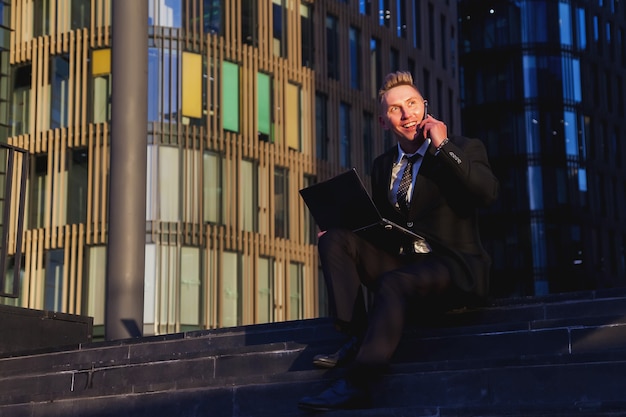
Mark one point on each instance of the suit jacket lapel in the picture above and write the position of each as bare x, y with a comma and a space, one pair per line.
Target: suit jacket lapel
423, 197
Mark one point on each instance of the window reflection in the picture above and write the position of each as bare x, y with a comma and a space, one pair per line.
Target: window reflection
77, 176
265, 290
281, 199
345, 133
565, 24
355, 57
332, 47
165, 13
20, 112
59, 95
296, 296
163, 93
212, 10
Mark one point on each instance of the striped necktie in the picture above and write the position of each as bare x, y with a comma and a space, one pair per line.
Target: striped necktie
405, 182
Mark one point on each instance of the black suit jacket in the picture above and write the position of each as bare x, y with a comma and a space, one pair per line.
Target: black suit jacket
449, 189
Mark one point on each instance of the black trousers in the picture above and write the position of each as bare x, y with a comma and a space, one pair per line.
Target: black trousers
398, 282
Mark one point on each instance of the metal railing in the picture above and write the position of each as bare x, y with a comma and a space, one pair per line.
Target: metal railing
13, 176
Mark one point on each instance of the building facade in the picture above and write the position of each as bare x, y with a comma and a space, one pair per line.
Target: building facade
249, 101
543, 85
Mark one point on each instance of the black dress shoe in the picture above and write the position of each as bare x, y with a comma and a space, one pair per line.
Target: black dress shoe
342, 394
345, 354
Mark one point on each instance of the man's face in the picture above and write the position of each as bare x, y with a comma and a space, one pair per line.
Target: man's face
402, 111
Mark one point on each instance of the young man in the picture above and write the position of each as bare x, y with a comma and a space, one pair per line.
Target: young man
447, 180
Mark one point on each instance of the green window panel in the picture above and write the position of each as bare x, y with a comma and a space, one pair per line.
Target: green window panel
230, 96
264, 110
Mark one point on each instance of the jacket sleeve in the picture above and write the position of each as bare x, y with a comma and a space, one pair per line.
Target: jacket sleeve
467, 160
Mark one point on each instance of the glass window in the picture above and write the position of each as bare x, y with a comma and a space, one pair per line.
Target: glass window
581, 29
570, 131
101, 85
164, 101
264, 106
5, 85
249, 196
417, 26
59, 94
11, 285
536, 22
81, 14
41, 15
53, 291
572, 81
95, 290
265, 290
165, 13
249, 22
213, 16
365, 7
150, 285
77, 179
530, 76
212, 187
376, 66
20, 110
293, 116
230, 96
280, 28
190, 289
401, 27
309, 226
565, 24
321, 125
281, 202
394, 59
308, 38
384, 13
535, 187
345, 146
169, 184
296, 284
355, 58
431, 30
36, 204
231, 305
332, 47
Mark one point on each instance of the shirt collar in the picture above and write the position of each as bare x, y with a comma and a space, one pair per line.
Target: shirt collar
421, 151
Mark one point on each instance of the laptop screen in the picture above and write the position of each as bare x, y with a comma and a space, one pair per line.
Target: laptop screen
341, 201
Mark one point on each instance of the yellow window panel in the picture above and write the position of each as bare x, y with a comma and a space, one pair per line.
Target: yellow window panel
292, 116
192, 85
101, 62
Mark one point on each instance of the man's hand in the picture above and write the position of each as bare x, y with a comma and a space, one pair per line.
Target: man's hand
434, 129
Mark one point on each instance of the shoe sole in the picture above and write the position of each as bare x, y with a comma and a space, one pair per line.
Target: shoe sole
324, 364
354, 405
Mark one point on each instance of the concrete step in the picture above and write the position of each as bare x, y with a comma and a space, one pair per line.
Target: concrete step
589, 389
538, 355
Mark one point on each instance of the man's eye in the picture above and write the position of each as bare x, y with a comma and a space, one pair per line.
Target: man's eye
412, 103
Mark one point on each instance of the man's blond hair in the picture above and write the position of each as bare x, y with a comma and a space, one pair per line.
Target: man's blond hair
395, 79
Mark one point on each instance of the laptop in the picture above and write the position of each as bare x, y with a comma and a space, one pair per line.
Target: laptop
343, 202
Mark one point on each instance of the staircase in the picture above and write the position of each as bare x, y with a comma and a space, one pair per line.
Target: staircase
562, 355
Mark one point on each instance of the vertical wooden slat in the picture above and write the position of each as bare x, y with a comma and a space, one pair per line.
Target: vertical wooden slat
80, 247
67, 262
104, 186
